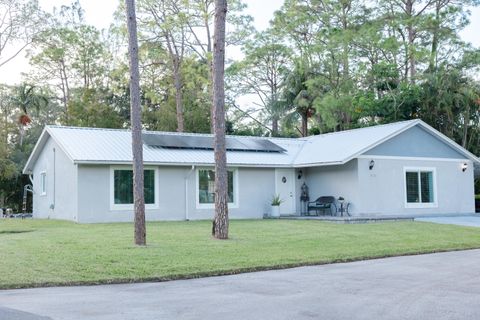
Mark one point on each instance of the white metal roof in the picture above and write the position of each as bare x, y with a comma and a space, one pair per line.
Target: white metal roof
91, 145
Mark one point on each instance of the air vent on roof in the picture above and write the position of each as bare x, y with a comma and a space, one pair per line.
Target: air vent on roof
169, 141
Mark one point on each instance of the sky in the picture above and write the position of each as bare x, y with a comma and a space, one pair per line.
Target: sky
100, 14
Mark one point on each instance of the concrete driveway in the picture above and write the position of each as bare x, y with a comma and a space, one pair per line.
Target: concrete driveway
469, 221
435, 286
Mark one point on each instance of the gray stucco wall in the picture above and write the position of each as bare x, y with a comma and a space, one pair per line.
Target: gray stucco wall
176, 195
335, 181
383, 188
415, 142
61, 178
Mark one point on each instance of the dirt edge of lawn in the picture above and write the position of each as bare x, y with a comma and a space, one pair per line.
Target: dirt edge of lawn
217, 273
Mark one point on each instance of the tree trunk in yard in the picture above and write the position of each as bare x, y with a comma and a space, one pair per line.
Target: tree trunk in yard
136, 119
220, 222
274, 126
177, 78
411, 40
304, 124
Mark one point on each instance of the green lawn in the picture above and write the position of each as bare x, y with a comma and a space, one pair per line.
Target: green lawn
36, 253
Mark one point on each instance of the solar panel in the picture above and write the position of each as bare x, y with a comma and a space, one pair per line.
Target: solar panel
170, 141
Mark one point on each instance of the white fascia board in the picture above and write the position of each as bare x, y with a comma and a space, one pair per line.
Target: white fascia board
374, 157
39, 145
46, 133
319, 164
62, 147
188, 164
450, 142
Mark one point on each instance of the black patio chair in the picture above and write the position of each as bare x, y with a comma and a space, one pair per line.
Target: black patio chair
322, 204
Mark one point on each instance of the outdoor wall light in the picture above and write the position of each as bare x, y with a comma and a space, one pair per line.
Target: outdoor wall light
371, 165
300, 174
464, 167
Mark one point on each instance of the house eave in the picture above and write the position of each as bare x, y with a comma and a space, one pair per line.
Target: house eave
180, 164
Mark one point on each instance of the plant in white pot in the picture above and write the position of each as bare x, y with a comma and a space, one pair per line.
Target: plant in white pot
275, 204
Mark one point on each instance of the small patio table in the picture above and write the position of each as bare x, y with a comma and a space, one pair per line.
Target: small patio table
343, 209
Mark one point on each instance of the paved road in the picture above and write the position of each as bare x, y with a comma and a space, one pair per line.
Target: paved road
436, 286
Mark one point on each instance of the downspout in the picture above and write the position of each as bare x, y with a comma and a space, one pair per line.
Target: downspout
52, 206
189, 174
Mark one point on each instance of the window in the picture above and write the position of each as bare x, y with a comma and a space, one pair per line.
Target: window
420, 187
43, 183
206, 188
122, 188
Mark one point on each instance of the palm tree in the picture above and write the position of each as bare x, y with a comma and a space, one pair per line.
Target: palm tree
27, 98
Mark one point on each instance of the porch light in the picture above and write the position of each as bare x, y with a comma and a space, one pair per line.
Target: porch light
300, 174
464, 167
371, 164
341, 200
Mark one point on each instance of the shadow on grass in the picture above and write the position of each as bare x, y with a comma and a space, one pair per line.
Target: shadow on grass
15, 231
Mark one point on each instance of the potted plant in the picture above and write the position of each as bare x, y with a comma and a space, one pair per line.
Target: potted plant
275, 204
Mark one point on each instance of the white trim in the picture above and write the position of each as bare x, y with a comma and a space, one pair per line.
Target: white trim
428, 128
449, 141
185, 164
373, 157
129, 207
34, 152
43, 183
231, 205
420, 205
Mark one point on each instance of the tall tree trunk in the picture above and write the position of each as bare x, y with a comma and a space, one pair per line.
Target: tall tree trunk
210, 66
411, 39
274, 126
136, 119
177, 78
434, 48
220, 222
466, 119
304, 124
345, 59
65, 89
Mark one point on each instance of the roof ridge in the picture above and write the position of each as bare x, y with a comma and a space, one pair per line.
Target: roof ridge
84, 128
364, 128
172, 133
303, 140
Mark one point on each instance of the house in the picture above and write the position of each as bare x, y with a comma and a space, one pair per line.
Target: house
404, 168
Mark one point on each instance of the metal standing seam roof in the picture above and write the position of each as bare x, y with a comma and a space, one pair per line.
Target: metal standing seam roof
113, 146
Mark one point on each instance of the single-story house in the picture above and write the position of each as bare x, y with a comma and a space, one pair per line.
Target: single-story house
404, 168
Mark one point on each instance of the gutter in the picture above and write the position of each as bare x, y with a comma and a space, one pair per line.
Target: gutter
189, 174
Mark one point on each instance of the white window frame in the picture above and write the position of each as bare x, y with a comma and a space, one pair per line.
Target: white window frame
231, 205
124, 207
419, 205
43, 183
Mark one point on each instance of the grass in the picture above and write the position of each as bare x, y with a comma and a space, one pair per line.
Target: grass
43, 253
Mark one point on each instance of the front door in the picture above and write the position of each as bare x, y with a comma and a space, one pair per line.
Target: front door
285, 187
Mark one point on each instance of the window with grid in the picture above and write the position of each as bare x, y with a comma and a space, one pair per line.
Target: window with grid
419, 185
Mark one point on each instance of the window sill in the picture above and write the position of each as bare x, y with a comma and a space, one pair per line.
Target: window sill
210, 206
129, 207
421, 205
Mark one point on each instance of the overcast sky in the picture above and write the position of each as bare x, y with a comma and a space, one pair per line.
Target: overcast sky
100, 14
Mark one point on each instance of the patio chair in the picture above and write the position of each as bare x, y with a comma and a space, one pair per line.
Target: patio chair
322, 204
